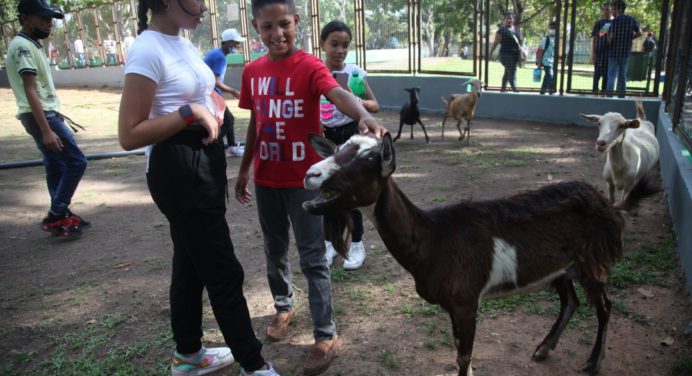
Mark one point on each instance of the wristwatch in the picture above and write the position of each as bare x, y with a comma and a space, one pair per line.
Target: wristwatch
187, 115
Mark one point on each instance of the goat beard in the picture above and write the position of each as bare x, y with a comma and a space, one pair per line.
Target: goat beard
337, 229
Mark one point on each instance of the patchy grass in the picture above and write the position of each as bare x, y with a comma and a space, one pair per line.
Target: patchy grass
94, 350
646, 266
682, 366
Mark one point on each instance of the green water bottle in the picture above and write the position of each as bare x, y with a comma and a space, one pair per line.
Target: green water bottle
357, 86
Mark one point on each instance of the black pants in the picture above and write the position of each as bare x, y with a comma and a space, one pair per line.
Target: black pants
227, 128
187, 181
600, 73
339, 135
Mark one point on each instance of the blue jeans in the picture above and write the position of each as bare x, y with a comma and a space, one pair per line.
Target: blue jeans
279, 209
617, 69
548, 84
64, 169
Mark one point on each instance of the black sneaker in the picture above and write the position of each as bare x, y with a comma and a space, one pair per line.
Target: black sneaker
77, 220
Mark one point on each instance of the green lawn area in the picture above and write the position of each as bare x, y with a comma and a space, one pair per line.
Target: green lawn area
582, 75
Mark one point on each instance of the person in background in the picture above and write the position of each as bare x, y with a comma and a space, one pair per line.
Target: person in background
622, 31
277, 144
167, 106
546, 59
649, 44
111, 49
509, 39
216, 60
335, 40
79, 51
599, 50
28, 71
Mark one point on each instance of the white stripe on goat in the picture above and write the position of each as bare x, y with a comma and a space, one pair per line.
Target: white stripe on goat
504, 268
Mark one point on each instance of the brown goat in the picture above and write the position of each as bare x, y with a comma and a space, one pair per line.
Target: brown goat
463, 253
462, 107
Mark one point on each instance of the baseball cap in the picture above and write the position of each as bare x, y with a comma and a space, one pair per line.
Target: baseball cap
231, 35
39, 8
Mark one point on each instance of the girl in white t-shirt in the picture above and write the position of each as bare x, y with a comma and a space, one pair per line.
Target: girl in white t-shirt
335, 40
167, 106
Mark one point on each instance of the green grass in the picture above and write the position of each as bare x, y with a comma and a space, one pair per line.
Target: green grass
646, 266
582, 74
682, 366
388, 360
93, 350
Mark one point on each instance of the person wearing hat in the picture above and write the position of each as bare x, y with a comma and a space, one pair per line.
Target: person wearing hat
29, 74
216, 60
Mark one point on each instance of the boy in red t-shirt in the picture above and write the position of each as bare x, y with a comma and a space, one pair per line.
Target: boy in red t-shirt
282, 89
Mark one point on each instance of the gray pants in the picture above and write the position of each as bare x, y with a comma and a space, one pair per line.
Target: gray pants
279, 208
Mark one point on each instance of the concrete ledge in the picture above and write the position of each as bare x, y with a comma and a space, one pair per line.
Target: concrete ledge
676, 173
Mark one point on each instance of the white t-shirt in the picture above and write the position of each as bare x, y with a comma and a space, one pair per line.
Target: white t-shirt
78, 46
330, 115
110, 46
175, 65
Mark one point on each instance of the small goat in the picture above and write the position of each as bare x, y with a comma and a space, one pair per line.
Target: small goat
410, 114
630, 146
462, 107
460, 254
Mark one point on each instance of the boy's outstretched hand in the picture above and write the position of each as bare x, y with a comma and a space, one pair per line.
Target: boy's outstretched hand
368, 124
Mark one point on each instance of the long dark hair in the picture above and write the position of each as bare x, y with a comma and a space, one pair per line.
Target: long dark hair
333, 26
144, 6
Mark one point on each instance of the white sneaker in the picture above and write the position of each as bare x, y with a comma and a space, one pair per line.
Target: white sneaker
267, 372
331, 252
203, 362
356, 256
237, 150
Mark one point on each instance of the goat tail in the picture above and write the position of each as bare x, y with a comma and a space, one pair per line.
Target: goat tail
640, 109
445, 102
646, 186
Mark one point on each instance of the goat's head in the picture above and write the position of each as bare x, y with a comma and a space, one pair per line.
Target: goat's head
414, 93
350, 176
611, 129
477, 86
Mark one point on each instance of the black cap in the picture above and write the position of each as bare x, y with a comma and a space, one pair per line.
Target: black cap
39, 8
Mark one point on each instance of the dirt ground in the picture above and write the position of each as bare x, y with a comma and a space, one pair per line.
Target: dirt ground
121, 268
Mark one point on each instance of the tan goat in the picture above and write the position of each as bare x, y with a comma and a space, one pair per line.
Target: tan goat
462, 107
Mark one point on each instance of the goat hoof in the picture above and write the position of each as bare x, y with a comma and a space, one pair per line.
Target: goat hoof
541, 354
590, 368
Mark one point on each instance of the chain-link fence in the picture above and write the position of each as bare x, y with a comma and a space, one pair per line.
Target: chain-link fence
678, 88
453, 37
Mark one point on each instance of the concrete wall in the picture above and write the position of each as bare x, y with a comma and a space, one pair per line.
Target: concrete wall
676, 173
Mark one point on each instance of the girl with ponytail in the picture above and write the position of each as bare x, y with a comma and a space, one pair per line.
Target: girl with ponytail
167, 107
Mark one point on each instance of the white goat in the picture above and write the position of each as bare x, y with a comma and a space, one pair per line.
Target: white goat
462, 107
630, 146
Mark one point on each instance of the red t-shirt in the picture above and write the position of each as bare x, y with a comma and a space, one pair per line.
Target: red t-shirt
285, 98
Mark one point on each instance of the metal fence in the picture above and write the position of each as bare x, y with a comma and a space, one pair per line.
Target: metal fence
678, 81
450, 37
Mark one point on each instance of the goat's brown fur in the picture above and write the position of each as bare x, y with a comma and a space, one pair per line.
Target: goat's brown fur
449, 251
462, 107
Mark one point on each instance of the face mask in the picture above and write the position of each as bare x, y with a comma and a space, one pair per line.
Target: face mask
551, 32
40, 34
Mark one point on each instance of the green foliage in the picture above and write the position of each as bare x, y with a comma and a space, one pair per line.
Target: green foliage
682, 366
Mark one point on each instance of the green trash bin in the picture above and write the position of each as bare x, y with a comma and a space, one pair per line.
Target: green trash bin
636, 66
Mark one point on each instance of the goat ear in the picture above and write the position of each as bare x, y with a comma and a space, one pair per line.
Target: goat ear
323, 146
591, 118
387, 153
632, 123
